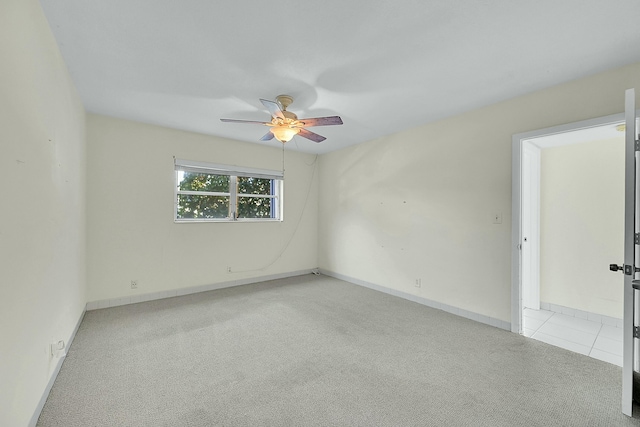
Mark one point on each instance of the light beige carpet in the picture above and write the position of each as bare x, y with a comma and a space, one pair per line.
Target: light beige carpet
316, 351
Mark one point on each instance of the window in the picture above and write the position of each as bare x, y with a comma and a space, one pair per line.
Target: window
210, 192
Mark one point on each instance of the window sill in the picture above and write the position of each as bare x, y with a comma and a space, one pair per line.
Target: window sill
224, 220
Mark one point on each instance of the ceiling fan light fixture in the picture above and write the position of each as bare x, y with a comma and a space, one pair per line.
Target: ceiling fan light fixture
284, 133
284, 125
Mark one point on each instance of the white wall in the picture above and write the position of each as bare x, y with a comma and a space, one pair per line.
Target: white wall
42, 219
581, 218
131, 232
420, 203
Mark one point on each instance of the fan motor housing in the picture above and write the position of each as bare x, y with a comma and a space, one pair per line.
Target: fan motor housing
289, 115
284, 100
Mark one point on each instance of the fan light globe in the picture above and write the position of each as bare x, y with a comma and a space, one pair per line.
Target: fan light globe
284, 133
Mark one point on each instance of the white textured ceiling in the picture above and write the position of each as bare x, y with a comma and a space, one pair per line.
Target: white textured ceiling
383, 66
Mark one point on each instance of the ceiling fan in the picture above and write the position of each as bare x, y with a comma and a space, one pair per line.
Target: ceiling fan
284, 125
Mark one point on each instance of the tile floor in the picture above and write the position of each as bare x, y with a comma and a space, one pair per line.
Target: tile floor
594, 339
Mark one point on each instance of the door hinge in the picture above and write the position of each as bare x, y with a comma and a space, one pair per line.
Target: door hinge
637, 144
636, 331
636, 240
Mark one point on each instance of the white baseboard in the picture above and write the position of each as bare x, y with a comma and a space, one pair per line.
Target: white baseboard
501, 324
54, 374
114, 302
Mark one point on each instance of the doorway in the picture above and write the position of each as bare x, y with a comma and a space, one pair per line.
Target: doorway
528, 151
572, 224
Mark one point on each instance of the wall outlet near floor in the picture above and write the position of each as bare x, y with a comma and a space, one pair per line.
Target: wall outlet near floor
228, 269
134, 284
56, 349
418, 283
497, 218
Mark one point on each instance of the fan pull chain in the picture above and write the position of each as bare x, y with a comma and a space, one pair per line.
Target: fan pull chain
283, 161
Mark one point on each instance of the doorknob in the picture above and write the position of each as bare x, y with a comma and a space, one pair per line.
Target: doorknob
626, 269
615, 267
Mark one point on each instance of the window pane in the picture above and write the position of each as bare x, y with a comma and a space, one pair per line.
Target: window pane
249, 185
202, 206
189, 181
254, 207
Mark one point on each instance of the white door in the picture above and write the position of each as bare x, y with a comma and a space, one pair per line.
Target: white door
530, 226
631, 218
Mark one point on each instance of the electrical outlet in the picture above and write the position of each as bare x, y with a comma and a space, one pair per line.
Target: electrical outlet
228, 269
418, 283
134, 284
56, 348
497, 218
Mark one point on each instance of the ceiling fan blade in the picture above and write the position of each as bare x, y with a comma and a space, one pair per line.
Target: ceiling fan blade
322, 121
267, 136
273, 108
310, 135
244, 121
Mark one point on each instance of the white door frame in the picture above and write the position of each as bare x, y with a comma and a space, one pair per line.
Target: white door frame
517, 143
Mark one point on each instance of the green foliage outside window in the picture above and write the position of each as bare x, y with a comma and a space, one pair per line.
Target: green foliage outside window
204, 182
250, 185
196, 206
254, 207
217, 206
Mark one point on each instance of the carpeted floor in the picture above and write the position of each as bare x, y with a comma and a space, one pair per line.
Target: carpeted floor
316, 351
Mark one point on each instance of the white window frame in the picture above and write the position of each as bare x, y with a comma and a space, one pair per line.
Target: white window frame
181, 165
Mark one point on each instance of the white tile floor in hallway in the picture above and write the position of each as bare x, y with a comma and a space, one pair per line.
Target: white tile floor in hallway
594, 339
